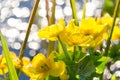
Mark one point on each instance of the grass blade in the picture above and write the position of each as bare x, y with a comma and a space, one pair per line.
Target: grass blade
11, 68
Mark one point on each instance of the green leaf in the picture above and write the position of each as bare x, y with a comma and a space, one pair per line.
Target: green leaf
100, 68
86, 67
114, 52
11, 68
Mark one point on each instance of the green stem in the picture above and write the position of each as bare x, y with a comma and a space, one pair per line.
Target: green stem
64, 49
60, 50
114, 18
47, 78
50, 47
81, 59
73, 6
21, 54
53, 12
51, 21
75, 52
84, 10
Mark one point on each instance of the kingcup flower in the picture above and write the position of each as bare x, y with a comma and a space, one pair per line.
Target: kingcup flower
115, 35
3, 65
42, 66
72, 36
107, 19
51, 32
89, 27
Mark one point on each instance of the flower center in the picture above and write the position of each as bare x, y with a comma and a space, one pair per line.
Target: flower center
44, 67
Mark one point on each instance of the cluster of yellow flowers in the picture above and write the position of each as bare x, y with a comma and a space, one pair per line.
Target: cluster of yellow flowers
90, 31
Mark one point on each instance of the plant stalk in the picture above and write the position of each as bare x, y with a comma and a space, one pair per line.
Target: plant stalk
47, 15
84, 10
73, 6
21, 54
64, 49
114, 18
51, 20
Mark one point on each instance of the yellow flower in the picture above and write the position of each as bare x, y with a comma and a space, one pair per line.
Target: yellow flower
107, 19
89, 26
42, 66
3, 65
72, 36
25, 63
115, 34
88, 34
15, 59
51, 32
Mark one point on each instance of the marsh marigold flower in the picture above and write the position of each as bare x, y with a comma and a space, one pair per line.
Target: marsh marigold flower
72, 36
115, 35
90, 27
107, 19
3, 63
89, 33
42, 66
51, 32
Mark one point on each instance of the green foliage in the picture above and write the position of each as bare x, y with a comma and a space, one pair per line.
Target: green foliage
86, 67
114, 52
100, 68
11, 68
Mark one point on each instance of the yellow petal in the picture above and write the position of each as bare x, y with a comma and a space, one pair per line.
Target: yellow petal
87, 23
58, 69
37, 77
51, 32
25, 61
38, 60
107, 19
116, 33
3, 66
5, 70
62, 22
64, 76
46, 33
